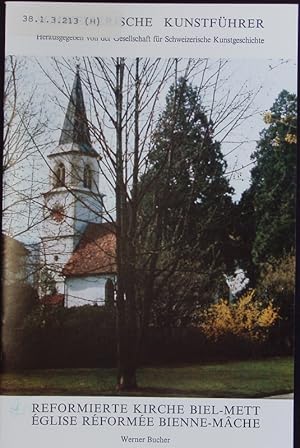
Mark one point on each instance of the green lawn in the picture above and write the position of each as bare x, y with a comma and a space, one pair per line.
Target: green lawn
232, 379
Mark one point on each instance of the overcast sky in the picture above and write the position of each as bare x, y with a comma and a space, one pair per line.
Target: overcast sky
267, 77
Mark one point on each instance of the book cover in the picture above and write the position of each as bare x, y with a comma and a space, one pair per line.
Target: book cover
149, 210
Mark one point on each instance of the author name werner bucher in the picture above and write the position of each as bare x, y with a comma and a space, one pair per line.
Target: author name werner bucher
148, 439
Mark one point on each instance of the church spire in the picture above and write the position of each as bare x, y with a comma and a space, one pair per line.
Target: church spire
75, 128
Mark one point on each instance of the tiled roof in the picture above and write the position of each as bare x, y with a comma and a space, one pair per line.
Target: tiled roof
53, 299
95, 253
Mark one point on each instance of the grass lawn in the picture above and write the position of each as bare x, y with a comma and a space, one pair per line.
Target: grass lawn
233, 379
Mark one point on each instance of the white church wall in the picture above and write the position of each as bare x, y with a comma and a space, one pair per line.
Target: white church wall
60, 286
72, 201
56, 251
56, 161
74, 163
65, 201
88, 290
87, 209
76, 169
92, 162
54, 255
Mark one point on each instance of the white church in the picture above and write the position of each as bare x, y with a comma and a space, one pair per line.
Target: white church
77, 247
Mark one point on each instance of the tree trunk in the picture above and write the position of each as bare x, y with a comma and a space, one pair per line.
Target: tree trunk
126, 311
127, 363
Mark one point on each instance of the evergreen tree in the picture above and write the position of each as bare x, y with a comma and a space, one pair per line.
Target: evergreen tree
267, 213
273, 182
192, 198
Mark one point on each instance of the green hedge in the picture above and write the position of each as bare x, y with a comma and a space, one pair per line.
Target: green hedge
56, 337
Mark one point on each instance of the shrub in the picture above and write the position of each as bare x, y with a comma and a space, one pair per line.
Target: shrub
247, 318
277, 281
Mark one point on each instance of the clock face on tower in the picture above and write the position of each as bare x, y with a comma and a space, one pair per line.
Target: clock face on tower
57, 213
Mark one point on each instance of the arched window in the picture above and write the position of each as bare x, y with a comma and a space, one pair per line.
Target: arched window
87, 177
60, 175
109, 292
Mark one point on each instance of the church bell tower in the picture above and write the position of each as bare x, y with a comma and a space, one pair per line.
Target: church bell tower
73, 199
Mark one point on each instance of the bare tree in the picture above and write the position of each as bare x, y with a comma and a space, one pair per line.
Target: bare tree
125, 103
126, 98
24, 137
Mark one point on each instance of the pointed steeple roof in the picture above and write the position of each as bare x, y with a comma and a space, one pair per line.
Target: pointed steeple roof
75, 128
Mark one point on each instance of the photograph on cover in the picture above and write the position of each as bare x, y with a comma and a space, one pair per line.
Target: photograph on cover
149, 226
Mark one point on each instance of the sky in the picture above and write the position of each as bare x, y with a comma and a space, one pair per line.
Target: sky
265, 78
